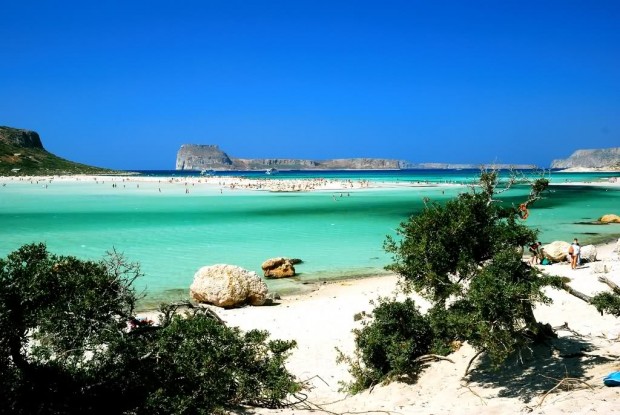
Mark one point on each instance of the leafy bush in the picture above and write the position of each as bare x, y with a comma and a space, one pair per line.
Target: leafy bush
65, 346
387, 347
466, 258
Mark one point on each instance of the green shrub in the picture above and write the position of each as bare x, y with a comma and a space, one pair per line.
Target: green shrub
387, 346
465, 256
65, 347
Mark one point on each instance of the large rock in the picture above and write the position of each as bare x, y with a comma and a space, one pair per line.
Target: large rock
278, 268
611, 218
556, 251
200, 157
227, 286
588, 253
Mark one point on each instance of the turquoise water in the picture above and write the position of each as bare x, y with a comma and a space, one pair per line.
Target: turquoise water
172, 234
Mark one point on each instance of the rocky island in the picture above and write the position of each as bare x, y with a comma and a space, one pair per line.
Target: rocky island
211, 157
201, 157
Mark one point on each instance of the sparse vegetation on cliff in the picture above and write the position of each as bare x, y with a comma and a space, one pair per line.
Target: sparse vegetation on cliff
21, 153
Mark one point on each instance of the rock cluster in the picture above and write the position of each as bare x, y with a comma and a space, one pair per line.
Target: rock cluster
278, 267
228, 286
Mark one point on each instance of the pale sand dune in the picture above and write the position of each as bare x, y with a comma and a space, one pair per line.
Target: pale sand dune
323, 320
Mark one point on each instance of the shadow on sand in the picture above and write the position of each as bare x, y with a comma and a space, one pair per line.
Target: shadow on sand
539, 369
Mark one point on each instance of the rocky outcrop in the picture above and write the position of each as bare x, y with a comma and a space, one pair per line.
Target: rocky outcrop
278, 268
611, 218
199, 157
20, 138
556, 251
227, 286
605, 158
588, 253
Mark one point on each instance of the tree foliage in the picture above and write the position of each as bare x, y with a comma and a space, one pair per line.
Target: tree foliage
607, 302
65, 346
387, 346
466, 258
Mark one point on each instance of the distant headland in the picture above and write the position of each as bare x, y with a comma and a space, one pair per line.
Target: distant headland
22, 153
603, 159
211, 157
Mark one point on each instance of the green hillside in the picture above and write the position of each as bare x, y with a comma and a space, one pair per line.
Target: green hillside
21, 153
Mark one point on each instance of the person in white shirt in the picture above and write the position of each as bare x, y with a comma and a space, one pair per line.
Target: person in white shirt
575, 255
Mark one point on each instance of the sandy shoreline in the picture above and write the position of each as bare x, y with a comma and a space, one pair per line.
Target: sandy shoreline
221, 184
322, 320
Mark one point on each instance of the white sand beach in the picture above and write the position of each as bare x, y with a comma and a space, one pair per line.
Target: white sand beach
586, 351
588, 347
197, 184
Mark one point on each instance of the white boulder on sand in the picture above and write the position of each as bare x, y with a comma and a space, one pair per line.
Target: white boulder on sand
588, 253
227, 286
556, 251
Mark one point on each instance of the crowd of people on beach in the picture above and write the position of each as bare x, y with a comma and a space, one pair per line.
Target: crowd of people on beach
230, 183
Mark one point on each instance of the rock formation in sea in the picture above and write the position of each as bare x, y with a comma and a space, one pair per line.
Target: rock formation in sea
211, 157
199, 157
278, 268
206, 157
602, 159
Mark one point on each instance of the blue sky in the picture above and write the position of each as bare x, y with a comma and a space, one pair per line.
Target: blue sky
124, 84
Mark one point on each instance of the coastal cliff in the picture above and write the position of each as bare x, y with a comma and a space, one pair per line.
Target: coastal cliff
595, 159
20, 138
205, 157
22, 153
211, 157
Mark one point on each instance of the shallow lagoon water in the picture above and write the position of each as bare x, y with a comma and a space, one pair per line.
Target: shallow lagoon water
172, 234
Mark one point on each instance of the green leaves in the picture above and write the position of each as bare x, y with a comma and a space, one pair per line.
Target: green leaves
387, 347
465, 256
65, 346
